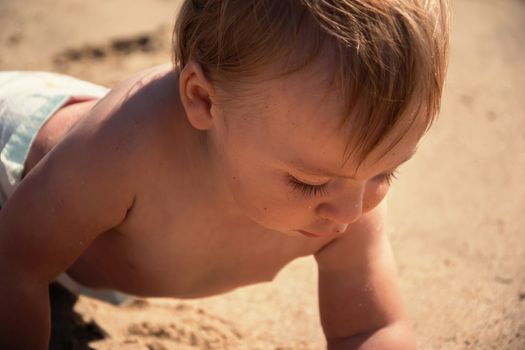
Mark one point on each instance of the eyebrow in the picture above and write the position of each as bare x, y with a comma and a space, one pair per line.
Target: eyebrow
327, 173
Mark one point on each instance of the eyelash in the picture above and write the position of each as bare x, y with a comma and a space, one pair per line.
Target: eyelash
320, 190
306, 189
388, 177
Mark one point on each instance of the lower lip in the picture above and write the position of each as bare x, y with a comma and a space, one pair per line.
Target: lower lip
308, 234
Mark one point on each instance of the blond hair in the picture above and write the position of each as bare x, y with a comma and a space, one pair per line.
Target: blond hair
389, 56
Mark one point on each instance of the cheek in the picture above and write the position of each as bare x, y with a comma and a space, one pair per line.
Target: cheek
374, 194
249, 194
256, 197
264, 202
257, 191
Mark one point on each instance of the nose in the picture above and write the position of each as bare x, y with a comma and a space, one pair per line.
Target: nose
344, 208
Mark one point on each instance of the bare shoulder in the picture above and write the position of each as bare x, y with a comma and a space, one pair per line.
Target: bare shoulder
84, 186
122, 127
132, 104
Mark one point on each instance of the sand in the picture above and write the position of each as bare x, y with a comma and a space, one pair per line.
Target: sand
457, 210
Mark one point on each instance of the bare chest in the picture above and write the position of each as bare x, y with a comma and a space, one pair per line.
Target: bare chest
179, 247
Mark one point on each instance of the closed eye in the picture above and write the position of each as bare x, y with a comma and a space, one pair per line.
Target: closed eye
309, 190
306, 189
387, 178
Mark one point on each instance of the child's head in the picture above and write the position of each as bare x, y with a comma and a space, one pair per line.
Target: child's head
355, 80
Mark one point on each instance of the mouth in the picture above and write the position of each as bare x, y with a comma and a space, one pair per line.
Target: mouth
309, 234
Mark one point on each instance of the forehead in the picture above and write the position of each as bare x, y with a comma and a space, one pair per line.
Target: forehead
299, 118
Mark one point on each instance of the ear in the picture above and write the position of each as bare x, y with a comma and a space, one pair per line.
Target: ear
196, 93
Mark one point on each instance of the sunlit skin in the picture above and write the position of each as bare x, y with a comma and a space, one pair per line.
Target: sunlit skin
269, 147
281, 151
175, 186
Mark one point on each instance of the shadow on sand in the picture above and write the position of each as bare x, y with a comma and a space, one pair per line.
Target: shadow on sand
68, 329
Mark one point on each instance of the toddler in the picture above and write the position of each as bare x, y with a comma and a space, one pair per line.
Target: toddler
274, 135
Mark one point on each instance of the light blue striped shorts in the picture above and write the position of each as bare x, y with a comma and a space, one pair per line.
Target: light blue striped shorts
27, 101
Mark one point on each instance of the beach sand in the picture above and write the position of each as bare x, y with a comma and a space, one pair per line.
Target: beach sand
457, 210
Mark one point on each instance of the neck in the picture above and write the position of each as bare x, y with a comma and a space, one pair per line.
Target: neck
202, 165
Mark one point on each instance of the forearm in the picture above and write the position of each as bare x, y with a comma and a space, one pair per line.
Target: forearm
24, 315
393, 337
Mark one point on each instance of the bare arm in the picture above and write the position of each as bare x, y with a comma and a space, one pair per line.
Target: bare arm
359, 300
79, 190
